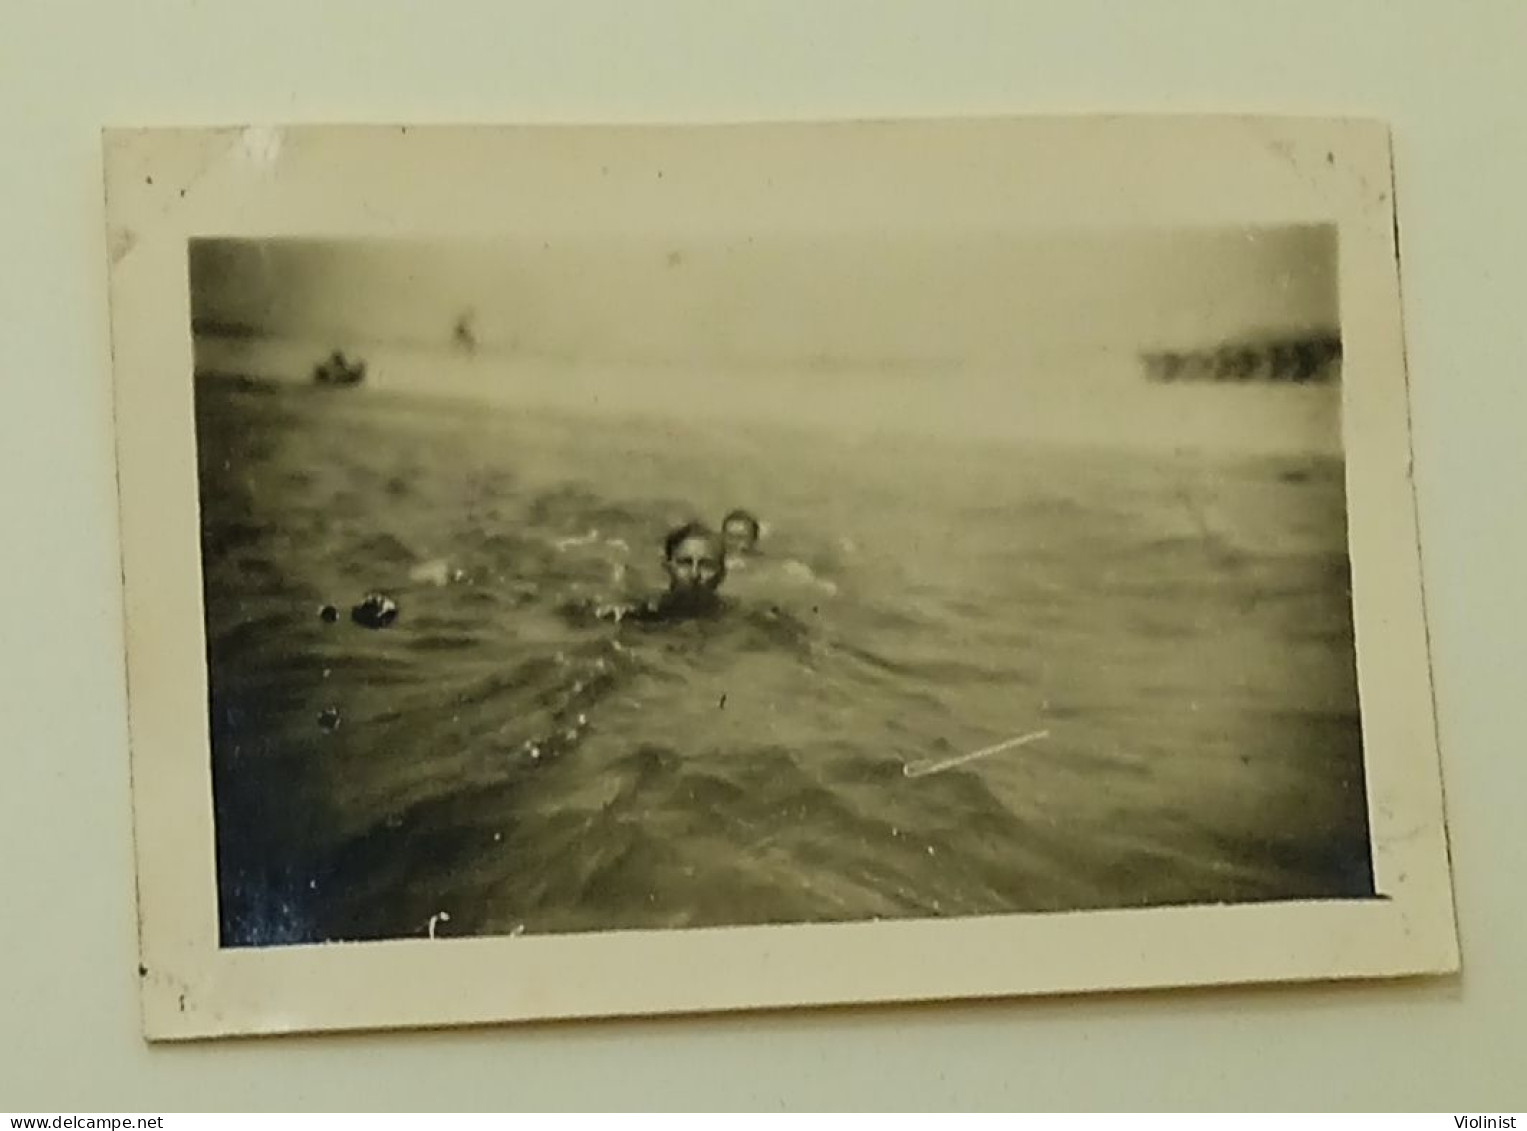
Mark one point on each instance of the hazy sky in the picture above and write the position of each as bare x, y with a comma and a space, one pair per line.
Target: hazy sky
938, 329
784, 298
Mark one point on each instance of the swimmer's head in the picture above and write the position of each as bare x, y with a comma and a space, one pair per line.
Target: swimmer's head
739, 532
694, 558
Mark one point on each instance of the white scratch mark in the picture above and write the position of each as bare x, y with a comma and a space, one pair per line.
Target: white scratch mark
923, 769
438, 917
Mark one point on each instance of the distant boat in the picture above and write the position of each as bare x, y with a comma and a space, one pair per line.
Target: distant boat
337, 369
464, 334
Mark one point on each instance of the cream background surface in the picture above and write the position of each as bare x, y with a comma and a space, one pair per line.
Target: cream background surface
1447, 81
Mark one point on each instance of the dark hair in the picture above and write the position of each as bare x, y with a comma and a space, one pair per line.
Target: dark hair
678, 534
741, 515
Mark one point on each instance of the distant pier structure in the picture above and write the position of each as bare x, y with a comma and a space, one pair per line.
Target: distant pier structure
1303, 360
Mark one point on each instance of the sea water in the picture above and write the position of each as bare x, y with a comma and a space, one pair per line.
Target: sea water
1178, 624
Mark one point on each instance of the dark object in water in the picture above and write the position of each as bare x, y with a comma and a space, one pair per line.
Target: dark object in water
339, 370
376, 611
463, 336
328, 719
1299, 360
328, 614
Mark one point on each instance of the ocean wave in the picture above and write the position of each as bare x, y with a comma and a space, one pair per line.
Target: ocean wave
491, 758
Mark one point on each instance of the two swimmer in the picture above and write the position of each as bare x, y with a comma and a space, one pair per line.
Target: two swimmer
695, 560
740, 532
698, 560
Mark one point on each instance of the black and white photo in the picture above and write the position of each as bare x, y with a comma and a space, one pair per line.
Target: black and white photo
810, 564
582, 587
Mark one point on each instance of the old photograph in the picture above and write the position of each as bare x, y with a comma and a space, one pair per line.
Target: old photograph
808, 564
583, 586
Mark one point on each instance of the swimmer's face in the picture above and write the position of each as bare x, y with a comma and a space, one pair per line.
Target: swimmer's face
695, 564
738, 537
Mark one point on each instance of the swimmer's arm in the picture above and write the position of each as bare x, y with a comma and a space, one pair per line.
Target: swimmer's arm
615, 612
619, 611
589, 609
